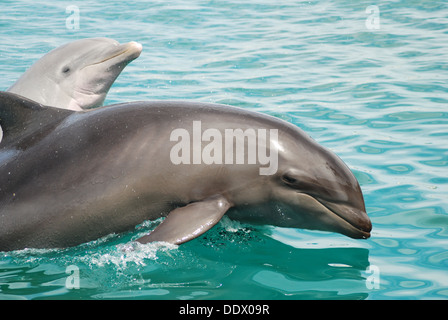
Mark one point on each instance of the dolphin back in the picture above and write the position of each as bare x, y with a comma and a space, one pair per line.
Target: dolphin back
23, 120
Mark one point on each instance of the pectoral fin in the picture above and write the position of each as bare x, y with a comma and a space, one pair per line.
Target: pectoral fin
186, 223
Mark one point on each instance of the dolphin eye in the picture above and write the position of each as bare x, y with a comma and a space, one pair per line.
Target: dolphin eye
289, 179
296, 179
66, 69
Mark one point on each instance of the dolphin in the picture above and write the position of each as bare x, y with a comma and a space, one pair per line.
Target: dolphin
69, 177
76, 75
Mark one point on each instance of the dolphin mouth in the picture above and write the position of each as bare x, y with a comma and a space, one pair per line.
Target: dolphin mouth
130, 51
354, 222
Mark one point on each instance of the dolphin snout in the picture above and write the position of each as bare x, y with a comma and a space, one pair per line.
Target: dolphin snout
134, 49
123, 53
361, 222
356, 223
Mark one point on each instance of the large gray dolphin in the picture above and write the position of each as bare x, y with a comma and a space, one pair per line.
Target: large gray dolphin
70, 177
76, 75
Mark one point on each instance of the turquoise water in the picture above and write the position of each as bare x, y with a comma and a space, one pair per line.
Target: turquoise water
376, 94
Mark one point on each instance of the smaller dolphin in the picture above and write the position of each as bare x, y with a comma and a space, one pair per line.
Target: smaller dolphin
76, 75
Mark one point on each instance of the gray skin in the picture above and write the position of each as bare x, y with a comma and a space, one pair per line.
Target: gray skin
68, 177
77, 75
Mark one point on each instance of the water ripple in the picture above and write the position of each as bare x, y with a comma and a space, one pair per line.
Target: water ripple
375, 97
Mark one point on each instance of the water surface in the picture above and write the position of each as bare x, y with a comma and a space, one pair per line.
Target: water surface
376, 97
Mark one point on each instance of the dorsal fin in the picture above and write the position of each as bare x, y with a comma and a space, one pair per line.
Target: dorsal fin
22, 119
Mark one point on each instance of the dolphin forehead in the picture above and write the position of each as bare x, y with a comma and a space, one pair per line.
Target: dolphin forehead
77, 54
82, 52
322, 174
